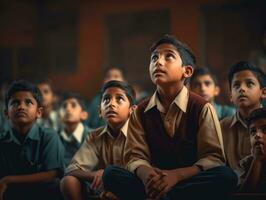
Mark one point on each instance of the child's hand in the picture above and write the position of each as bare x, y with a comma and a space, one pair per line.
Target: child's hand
158, 188
259, 152
97, 179
3, 187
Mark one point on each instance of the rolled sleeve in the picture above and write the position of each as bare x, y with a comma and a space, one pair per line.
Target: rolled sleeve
136, 149
210, 142
86, 158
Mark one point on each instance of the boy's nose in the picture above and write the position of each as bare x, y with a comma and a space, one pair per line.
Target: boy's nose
258, 134
21, 106
160, 61
241, 88
202, 87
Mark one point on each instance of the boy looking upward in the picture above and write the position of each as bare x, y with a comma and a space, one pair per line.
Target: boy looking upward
31, 157
174, 145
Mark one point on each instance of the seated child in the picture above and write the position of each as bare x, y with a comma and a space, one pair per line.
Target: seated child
255, 165
94, 120
247, 86
103, 146
73, 132
31, 157
49, 118
174, 145
205, 83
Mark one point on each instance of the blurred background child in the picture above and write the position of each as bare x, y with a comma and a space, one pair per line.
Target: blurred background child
205, 83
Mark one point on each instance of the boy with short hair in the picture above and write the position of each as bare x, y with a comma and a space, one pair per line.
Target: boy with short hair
255, 165
174, 144
49, 118
103, 146
73, 132
247, 85
31, 157
205, 83
94, 120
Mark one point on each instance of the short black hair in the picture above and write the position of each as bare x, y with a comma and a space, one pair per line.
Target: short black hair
255, 115
184, 51
23, 85
74, 95
45, 81
244, 65
129, 91
202, 71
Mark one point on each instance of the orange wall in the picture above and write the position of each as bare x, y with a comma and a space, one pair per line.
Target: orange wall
185, 25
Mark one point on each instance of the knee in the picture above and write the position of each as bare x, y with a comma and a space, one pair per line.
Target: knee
227, 177
69, 183
108, 176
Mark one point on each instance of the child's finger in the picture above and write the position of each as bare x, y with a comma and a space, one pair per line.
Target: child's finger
97, 182
163, 190
152, 181
157, 188
93, 182
159, 171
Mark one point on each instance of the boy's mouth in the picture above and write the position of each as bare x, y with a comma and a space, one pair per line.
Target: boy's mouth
111, 113
158, 71
21, 114
258, 143
242, 97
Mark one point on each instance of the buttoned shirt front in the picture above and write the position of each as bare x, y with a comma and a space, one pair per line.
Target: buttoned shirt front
209, 137
99, 150
236, 141
40, 151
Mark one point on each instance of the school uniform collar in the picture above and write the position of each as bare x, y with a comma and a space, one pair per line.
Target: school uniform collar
181, 101
123, 130
33, 134
77, 134
237, 119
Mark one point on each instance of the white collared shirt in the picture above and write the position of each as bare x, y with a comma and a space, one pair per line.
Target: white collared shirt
77, 134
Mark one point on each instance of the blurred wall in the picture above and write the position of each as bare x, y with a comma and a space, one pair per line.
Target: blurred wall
28, 35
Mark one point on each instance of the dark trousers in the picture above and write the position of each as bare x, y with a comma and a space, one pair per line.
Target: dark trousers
40, 191
215, 183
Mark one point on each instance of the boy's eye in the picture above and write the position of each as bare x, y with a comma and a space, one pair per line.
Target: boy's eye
169, 56
236, 85
207, 83
14, 103
106, 100
252, 131
64, 105
250, 83
263, 129
73, 105
29, 102
120, 99
154, 57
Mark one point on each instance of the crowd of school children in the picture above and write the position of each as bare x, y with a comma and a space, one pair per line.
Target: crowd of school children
177, 143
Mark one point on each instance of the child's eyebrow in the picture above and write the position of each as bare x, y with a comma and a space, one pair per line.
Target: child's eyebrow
250, 79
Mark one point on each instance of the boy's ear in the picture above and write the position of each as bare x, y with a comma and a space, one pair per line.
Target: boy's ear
132, 108
188, 71
84, 115
263, 93
39, 112
100, 112
216, 91
231, 98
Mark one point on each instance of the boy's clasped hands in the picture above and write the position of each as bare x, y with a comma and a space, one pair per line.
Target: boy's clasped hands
158, 182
